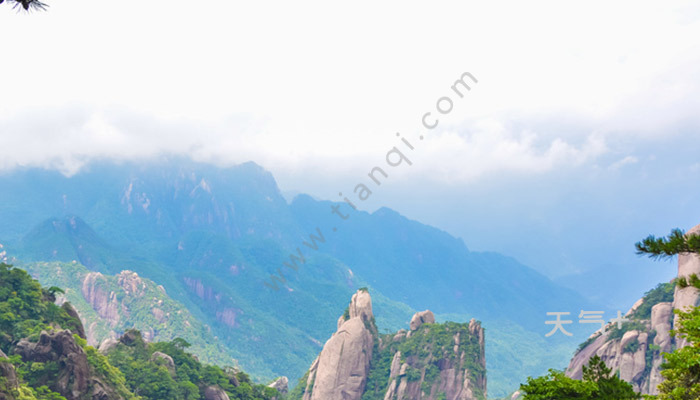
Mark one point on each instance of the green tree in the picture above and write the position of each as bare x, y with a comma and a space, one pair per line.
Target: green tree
676, 242
682, 368
598, 383
609, 385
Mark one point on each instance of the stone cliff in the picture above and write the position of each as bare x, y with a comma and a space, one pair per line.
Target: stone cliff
635, 349
429, 361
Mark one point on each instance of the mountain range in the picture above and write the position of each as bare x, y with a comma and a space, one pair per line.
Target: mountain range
264, 276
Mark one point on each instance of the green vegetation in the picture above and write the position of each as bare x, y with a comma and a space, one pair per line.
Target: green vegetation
26, 308
631, 347
129, 370
431, 342
618, 333
148, 309
588, 341
663, 292
213, 248
676, 243
150, 376
682, 368
690, 280
598, 383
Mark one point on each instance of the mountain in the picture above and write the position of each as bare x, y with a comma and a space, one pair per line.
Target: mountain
635, 348
110, 305
44, 355
429, 361
225, 243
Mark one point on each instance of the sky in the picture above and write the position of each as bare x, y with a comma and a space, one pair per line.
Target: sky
579, 138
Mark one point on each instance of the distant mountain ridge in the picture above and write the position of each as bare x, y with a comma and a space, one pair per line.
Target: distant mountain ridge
212, 236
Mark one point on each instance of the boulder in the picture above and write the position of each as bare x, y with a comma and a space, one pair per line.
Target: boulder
215, 393
79, 329
107, 345
131, 337
73, 380
165, 359
420, 318
8, 373
281, 384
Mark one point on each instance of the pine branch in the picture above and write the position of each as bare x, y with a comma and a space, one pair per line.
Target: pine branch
27, 4
666, 247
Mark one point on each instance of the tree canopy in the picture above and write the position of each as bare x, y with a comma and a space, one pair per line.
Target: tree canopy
682, 368
677, 242
598, 382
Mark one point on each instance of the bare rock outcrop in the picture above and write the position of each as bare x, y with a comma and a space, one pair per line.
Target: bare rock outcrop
104, 302
8, 375
637, 355
132, 284
629, 354
75, 379
341, 370
107, 345
420, 318
456, 371
165, 359
428, 362
688, 296
215, 393
281, 384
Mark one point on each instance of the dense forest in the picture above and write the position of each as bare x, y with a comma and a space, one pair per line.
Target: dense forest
44, 355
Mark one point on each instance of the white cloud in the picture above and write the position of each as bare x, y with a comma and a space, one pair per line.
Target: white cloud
321, 88
628, 160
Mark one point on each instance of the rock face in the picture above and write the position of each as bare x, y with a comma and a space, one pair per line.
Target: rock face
632, 354
420, 318
8, 375
104, 302
686, 297
430, 361
165, 359
454, 368
637, 353
281, 384
74, 378
341, 370
215, 393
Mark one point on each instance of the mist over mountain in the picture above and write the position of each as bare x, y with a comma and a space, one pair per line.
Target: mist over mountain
214, 238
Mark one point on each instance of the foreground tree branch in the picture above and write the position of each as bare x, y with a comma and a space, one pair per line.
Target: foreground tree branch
666, 247
27, 4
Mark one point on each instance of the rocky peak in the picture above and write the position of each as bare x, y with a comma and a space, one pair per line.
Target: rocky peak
131, 283
340, 371
361, 305
440, 361
637, 353
103, 301
281, 384
420, 318
75, 378
215, 393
